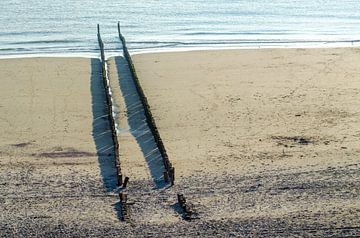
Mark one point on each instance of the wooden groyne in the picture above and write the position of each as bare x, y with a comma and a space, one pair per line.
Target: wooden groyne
110, 108
169, 173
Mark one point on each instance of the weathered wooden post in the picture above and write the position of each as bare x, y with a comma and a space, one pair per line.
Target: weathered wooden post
124, 206
172, 176
188, 212
126, 180
181, 199
123, 197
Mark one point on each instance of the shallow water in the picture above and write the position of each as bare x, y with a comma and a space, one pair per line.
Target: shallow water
69, 26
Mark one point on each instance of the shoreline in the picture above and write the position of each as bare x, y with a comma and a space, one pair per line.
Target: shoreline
112, 53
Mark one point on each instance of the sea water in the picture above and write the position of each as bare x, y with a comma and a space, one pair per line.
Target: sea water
69, 26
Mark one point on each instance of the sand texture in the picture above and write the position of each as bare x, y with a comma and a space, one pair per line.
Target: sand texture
54, 148
265, 143
265, 135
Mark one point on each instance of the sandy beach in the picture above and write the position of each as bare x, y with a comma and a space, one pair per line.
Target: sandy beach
53, 148
265, 143
261, 134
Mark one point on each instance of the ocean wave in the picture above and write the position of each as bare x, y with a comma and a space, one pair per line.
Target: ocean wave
38, 27
45, 42
26, 33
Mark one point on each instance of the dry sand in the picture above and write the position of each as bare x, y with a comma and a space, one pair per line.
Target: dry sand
264, 142
269, 134
53, 154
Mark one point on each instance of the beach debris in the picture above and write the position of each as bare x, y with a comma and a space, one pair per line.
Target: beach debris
21, 145
284, 140
302, 140
253, 188
65, 153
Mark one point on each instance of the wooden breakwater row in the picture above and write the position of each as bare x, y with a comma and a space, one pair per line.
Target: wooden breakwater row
169, 173
110, 108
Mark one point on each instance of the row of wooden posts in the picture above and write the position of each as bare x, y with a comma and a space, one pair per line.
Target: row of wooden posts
169, 173
123, 197
110, 110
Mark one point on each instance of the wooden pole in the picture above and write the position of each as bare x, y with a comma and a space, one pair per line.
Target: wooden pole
126, 180
123, 197
188, 212
172, 176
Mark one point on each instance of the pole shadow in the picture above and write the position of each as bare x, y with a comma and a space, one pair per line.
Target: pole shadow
138, 124
101, 128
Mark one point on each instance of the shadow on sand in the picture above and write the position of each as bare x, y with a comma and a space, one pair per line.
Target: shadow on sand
101, 128
137, 123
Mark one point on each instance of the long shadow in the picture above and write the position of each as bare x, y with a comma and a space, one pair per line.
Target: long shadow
101, 128
137, 122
